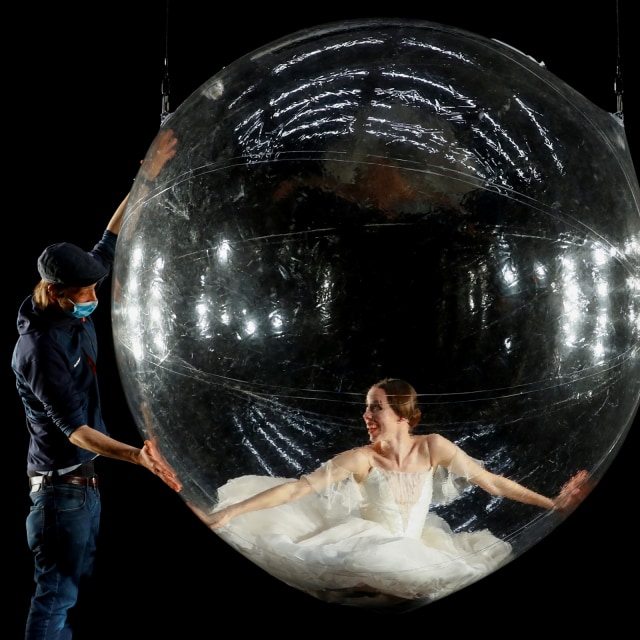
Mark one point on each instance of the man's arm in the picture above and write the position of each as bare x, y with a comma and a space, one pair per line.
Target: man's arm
148, 457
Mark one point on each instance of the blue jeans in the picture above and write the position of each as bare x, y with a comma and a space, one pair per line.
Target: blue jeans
62, 529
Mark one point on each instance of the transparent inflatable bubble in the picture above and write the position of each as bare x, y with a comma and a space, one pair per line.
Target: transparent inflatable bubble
383, 198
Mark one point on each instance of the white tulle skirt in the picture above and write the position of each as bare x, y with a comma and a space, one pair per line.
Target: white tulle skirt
321, 545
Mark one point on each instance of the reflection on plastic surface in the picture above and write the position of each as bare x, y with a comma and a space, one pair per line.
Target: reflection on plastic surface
385, 198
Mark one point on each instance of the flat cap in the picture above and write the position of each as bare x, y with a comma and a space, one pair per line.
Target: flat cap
67, 264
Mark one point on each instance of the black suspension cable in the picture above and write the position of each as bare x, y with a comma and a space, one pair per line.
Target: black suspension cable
166, 85
617, 84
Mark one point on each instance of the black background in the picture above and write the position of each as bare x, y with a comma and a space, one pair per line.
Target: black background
83, 103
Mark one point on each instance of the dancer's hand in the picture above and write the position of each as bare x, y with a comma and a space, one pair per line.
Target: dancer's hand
212, 520
573, 492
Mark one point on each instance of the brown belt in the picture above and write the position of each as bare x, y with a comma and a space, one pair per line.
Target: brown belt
38, 482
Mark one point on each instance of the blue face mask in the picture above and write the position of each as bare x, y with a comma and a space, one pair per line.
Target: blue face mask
82, 309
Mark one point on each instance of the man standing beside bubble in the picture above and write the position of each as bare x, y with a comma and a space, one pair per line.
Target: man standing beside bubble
55, 364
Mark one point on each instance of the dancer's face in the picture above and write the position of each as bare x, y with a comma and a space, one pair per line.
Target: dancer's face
378, 414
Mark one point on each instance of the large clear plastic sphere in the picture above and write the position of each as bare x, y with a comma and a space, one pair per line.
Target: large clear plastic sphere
385, 198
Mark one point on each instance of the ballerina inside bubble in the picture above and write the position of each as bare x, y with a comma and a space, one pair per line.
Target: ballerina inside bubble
358, 530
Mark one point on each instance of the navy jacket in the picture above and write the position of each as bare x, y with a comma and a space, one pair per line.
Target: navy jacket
54, 361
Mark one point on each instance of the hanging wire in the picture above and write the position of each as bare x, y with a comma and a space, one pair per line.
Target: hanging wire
166, 85
617, 84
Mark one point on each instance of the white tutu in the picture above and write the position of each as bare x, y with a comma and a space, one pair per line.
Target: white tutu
361, 544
